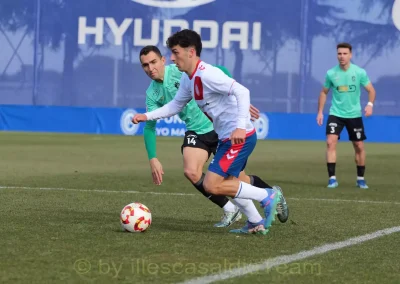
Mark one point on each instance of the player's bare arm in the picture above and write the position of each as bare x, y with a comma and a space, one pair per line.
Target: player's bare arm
156, 171
371, 99
321, 103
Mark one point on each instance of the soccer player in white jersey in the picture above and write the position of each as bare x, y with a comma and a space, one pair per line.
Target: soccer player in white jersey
226, 103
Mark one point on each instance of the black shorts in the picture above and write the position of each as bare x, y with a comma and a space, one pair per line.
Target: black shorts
354, 126
207, 141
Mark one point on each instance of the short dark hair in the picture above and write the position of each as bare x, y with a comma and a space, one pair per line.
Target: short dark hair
186, 38
150, 48
344, 45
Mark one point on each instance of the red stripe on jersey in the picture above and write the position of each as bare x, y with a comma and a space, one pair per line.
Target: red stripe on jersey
229, 93
230, 156
198, 89
195, 69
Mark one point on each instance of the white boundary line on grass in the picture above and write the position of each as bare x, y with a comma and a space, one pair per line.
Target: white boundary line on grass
345, 200
95, 190
285, 259
184, 194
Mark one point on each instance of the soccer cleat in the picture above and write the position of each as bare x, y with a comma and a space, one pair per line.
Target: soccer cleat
229, 218
332, 183
269, 205
282, 207
252, 228
361, 184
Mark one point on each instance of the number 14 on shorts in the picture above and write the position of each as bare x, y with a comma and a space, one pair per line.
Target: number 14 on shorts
191, 140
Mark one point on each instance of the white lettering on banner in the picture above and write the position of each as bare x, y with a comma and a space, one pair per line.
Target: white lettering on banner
118, 31
164, 131
172, 119
137, 33
396, 14
84, 30
178, 132
198, 25
231, 31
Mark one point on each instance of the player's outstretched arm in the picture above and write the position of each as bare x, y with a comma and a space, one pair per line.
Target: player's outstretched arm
173, 107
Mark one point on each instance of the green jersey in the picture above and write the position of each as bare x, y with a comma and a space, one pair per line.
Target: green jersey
159, 94
346, 91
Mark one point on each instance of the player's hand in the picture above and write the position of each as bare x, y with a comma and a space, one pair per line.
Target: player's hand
238, 136
254, 112
320, 119
368, 110
139, 118
156, 171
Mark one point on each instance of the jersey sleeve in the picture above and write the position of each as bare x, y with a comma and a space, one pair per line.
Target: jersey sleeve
364, 79
149, 132
328, 82
182, 97
217, 81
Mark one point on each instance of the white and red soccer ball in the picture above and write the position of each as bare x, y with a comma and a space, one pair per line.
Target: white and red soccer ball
135, 217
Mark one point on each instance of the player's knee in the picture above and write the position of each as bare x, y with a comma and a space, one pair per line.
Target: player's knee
192, 174
331, 144
358, 146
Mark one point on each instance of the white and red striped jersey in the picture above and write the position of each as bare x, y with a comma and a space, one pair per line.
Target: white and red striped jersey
221, 98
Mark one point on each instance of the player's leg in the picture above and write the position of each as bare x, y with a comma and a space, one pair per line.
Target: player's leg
334, 127
230, 160
195, 155
355, 129
282, 207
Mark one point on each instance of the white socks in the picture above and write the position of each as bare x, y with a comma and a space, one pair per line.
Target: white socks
229, 207
248, 191
247, 207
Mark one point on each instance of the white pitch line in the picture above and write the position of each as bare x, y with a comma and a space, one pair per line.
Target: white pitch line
186, 194
94, 190
345, 200
285, 259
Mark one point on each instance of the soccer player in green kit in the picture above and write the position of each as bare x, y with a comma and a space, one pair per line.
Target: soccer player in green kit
345, 80
200, 138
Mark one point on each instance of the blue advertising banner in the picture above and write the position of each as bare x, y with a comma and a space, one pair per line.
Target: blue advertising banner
117, 121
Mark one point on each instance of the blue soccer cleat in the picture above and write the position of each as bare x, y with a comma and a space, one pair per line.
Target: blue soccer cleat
252, 228
269, 205
332, 183
361, 184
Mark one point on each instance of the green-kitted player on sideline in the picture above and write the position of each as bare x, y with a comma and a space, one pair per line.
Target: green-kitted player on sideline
200, 138
345, 80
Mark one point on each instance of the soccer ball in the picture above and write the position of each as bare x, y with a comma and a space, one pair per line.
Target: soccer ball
135, 217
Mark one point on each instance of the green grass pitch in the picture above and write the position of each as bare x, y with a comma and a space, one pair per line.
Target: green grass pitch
61, 196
